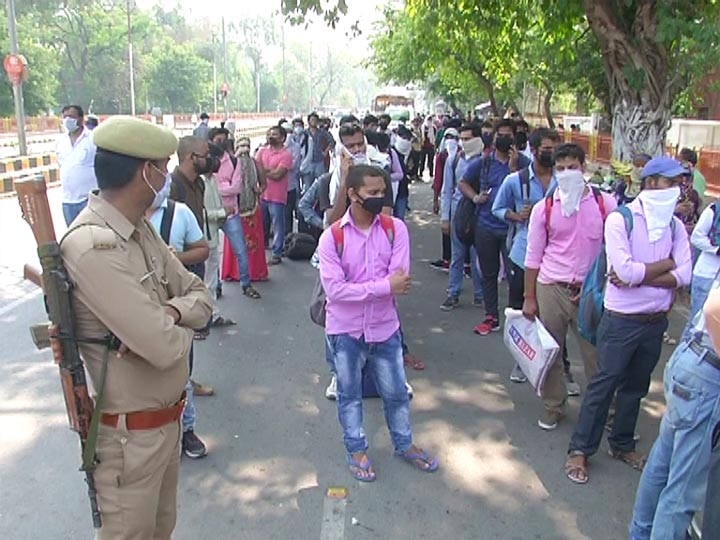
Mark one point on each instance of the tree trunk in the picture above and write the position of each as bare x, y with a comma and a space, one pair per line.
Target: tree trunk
637, 69
637, 129
580, 107
546, 104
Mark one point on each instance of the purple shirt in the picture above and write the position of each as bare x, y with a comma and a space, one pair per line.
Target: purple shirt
359, 299
629, 256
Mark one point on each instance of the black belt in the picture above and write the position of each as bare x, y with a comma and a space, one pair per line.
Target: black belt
572, 287
705, 354
639, 317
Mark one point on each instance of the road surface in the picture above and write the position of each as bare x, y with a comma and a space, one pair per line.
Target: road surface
275, 443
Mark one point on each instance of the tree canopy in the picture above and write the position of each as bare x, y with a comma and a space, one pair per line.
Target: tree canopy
636, 57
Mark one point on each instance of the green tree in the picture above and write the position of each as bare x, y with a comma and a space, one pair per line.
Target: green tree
179, 79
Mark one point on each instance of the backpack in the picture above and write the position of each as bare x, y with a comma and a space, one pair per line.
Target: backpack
299, 246
166, 223
524, 177
714, 233
318, 301
592, 294
464, 218
550, 199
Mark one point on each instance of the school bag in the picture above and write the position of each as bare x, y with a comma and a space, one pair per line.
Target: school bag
464, 218
299, 246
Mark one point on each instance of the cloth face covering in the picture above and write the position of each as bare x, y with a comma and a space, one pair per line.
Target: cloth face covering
659, 206
571, 187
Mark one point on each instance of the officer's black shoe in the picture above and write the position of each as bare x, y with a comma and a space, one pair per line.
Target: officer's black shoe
193, 447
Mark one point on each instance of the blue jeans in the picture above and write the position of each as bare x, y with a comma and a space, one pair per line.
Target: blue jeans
699, 291
71, 210
674, 481
329, 357
627, 353
401, 206
275, 213
316, 169
457, 262
234, 231
711, 514
189, 413
386, 364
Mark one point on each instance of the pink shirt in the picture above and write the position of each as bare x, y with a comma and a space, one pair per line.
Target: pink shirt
629, 256
269, 158
359, 299
229, 181
567, 253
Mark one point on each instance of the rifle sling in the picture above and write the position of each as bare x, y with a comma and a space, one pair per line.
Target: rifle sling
88, 463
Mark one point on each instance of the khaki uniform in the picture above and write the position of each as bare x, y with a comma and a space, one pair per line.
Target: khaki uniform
124, 275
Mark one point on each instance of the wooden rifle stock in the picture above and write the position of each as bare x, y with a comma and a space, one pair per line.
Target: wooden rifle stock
32, 196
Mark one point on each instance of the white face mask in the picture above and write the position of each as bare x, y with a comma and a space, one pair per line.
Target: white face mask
451, 145
571, 188
659, 206
403, 146
162, 195
298, 130
70, 124
473, 147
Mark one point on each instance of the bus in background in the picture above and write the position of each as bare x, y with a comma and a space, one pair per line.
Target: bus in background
400, 106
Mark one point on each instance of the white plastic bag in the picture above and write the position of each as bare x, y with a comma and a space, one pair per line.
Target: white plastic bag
531, 345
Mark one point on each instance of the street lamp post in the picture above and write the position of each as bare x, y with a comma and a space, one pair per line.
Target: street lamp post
130, 62
17, 86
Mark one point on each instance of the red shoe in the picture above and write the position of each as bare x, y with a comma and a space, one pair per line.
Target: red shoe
490, 324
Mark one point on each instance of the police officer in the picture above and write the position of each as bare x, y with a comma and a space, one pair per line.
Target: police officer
128, 283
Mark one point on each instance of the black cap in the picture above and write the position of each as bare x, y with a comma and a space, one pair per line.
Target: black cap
204, 116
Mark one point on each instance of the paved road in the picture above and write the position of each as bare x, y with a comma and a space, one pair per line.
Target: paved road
275, 443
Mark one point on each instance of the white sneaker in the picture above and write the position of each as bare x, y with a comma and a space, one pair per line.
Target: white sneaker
409, 389
331, 390
517, 375
573, 388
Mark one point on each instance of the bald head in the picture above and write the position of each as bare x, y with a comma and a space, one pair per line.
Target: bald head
191, 145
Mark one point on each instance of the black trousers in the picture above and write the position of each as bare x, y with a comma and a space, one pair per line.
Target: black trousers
516, 285
291, 211
428, 158
490, 246
446, 247
628, 351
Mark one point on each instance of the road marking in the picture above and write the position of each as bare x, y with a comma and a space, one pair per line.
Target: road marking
19, 302
333, 523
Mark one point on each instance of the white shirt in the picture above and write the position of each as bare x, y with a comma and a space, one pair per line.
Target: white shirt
708, 263
77, 166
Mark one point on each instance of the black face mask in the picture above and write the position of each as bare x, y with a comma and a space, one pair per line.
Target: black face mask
504, 142
521, 139
545, 159
487, 139
373, 205
205, 168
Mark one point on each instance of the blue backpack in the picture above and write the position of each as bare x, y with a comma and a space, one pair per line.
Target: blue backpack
592, 295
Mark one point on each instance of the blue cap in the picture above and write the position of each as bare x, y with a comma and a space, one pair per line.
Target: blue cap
663, 166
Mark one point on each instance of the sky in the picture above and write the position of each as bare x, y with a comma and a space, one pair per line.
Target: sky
365, 12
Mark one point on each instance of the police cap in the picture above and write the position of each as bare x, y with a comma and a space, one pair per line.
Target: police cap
136, 138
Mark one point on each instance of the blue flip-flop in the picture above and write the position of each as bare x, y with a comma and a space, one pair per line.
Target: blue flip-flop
359, 471
421, 460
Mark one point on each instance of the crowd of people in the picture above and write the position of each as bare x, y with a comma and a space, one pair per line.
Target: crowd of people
514, 208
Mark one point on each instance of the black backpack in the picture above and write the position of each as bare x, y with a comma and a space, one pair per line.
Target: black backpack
299, 246
464, 218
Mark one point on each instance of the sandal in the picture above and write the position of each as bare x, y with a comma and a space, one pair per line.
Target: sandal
635, 459
669, 340
222, 321
251, 292
361, 472
577, 472
420, 460
201, 335
414, 362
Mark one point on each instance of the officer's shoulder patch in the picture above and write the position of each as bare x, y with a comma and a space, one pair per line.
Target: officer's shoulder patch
104, 238
87, 236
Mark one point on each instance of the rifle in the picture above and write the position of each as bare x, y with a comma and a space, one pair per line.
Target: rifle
59, 334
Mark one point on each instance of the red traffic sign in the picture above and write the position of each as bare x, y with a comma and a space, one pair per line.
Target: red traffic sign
16, 67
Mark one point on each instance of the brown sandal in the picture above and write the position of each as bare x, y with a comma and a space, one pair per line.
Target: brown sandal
414, 362
635, 459
577, 470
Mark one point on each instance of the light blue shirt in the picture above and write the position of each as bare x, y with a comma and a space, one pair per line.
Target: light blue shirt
510, 198
184, 229
294, 177
450, 194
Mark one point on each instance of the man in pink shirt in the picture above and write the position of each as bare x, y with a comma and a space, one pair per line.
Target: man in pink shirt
361, 275
564, 238
277, 161
648, 256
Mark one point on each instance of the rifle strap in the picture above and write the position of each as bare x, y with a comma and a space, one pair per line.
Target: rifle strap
88, 462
